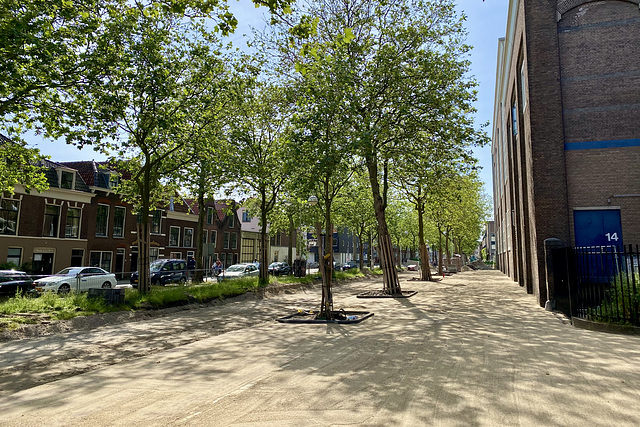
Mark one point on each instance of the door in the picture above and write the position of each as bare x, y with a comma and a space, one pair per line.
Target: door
598, 228
600, 233
42, 264
119, 263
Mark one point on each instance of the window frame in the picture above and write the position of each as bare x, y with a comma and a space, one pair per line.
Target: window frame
115, 217
70, 226
106, 220
226, 240
6, 214
9, 257
156, 216
234, 240
232, 220
184, 237
57, 230
171, 229
102, 260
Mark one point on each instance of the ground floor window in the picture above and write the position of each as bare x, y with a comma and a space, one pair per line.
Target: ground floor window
100, 259
14, 256
77, 257
175, 255
154, 254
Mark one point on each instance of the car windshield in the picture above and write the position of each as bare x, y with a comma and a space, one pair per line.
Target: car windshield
156, 265
237, 267
69, 271
273, 264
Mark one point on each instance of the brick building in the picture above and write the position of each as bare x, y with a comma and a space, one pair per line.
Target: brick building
80, 220
566, 143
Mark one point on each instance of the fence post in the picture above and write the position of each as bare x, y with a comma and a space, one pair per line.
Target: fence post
550, 245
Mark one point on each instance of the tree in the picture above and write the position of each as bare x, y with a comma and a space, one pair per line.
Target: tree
400, 66
164, 74
259, 133
55, 53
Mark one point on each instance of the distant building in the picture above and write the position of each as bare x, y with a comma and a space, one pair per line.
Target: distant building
566, 140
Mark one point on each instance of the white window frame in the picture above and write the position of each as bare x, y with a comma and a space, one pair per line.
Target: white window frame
77, 234
106, 226
73, 177
57, 231
214, 237
124, 221
171, 228
6, 223
232, 220
184, 238
100, 264
205, 235
233, 242
227, 240
175, 255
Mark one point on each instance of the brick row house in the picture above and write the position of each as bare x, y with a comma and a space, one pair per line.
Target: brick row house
80, 220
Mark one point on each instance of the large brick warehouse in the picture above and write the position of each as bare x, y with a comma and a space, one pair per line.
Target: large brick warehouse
566, 131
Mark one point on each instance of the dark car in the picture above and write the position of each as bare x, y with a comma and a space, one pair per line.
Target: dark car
164, 271
12, 281
349, 265
278, 268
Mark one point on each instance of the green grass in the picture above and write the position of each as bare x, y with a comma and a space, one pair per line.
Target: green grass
63, 307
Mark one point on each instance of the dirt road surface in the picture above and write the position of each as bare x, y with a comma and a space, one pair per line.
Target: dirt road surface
471, 350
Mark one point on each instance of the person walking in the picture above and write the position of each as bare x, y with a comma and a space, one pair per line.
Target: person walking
218, 268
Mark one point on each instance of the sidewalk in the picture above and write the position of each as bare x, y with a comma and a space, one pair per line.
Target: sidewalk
471, 350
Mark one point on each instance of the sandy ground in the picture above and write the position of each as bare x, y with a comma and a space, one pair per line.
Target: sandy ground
473, 349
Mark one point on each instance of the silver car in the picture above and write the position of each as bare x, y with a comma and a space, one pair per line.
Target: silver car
240, 270
76, 279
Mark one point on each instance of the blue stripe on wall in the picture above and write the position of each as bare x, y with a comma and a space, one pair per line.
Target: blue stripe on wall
590, 145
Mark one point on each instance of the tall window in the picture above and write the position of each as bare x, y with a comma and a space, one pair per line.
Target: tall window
234, 240
205, 234
118, 221
514, 118
229, 258
174, 236
14, 256
155, 221
100, 259
66, 180
102, 219
51, 221
232, 220
523, 86
188, 238
214, 237
154, 253
9, 216
210, 212
72, 227
226, 240
245, 216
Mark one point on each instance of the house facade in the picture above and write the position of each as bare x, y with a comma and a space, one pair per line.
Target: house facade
565, 141
80, 220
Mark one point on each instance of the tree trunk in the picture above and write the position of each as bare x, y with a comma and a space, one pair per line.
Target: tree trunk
425, 265
326, 309
199, 243
142, 232
264, 249
440, 270
291, 236
391, 283
361, 265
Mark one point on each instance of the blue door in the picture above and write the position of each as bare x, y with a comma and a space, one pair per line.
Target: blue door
598, 228
599, 232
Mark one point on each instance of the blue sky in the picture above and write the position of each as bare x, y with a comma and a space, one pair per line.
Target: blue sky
486, 22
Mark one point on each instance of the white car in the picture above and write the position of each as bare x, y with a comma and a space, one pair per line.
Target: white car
76, 279
240, 270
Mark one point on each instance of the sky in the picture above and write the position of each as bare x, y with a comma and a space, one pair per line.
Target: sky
486, 23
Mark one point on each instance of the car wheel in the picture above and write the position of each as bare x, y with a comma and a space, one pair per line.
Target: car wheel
182, 281
106, 285
64, 289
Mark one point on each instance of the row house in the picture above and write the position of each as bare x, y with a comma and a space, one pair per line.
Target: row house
80, 220
221, 233
251, 242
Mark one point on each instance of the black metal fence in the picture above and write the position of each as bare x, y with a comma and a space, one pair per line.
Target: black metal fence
602, 283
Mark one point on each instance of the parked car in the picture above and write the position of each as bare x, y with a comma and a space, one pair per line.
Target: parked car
240, 270
164, 271
349, 265
76, 279
278, 268
412, 267
312, 264
12, 281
